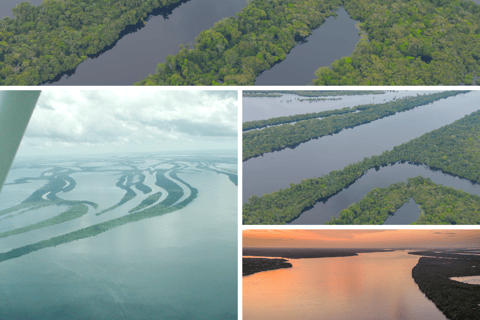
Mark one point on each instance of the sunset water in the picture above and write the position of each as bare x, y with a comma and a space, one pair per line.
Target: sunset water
367, 286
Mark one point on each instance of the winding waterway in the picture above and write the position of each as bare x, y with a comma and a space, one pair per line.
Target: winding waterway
181, 265
137, 53
276, 170
368, 286
334, 39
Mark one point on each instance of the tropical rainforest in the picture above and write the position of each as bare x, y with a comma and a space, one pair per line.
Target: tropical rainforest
409, 42
457, 300
43, 41
438, 204
454, 149
279, 137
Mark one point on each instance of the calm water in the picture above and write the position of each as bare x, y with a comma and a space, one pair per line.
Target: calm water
7, 5
322, 212
137, 54
276, 170
289, 104
182, 265
406, 214
334, 39
367, 286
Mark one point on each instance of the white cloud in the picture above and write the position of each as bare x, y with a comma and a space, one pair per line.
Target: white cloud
69, 119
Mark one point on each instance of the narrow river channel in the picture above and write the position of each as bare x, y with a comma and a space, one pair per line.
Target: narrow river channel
276, 170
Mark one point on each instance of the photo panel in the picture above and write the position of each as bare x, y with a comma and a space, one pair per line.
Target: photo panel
356, 157
361, 274
120, 204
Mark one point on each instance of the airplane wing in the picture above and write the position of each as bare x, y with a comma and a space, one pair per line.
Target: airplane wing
16, 108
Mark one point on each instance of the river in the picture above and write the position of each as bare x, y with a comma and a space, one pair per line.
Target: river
276, 170
368, 286
137, 53
181, 265
334, 39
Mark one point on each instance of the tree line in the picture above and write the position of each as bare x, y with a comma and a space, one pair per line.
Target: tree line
453, 149
438, 204
43, 41
279, 137
409, 42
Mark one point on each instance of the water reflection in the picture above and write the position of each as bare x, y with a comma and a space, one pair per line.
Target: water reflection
406, 214
276, 170
367, 286
137, 54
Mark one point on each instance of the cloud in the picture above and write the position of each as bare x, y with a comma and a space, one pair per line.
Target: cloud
131, 116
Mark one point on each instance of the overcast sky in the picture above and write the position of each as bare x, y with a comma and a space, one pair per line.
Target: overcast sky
289, 238
130, 120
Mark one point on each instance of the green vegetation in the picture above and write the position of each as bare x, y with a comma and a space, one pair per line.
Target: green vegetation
96, 229
454, 149
457, 300
72, 213
323, 93
237, 49
438, 204
125, 185
257, 124
410, 42
44, 41
269, 139
151, 199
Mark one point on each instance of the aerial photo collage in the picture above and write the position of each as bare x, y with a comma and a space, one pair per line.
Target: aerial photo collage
239, 159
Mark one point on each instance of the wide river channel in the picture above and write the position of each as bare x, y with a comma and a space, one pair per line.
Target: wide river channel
368, 286
276, 170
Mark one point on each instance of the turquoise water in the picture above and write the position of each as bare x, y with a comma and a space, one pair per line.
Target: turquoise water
181, 265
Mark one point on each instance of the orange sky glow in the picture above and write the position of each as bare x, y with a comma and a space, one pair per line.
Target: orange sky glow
289, 238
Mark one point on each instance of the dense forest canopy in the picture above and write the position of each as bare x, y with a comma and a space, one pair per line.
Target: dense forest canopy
438, 204
258, 142
43, 41
409, 42
454, 149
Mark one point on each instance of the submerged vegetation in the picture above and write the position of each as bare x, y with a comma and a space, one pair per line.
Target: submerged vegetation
438, 204
152, 205
279, 137
323, 93
454, 149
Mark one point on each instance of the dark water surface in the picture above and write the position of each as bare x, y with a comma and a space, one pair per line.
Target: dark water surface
334, 39
364, 287
137, 54
7, 5
276, 170
385, 176
406, 214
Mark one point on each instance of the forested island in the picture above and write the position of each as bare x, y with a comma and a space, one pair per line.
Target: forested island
254, 265
279, 137
413, 42
457, 300
438, 204
453, 149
